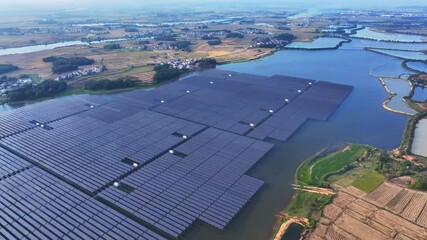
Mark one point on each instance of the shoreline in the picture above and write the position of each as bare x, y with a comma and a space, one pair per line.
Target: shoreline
284, 227
388, 99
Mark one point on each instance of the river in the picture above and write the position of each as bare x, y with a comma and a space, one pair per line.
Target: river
360, 119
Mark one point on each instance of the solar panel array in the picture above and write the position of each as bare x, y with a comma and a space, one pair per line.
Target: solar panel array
88, 149
35, 205
208, 173
163, 158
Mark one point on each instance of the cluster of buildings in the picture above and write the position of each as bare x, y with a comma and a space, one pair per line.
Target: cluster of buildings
260, 42
81, 73
187, 64
253, 31
204, 34
151, 33
162, 46
12, 84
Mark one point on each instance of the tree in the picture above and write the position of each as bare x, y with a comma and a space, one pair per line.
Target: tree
214, 42
419, 182
112, 46
5, 68
234, 35
285, 36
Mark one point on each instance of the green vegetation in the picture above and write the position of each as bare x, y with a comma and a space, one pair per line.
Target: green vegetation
393, 168
184, 45
165, 72
131, 29
206, 63
60, 65
408, 135
106, 84
5, 68
285, 36
49, 59
47, 88
234, 35
214, 42
419, 182
369, 181
316, 171
112, 46
306, 203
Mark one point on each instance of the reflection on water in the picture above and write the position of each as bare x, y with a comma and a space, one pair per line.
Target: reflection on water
418, 66
293, 232
409, 55
360, 119
420, 94
318, 43
401, 88
37, 48
420, 140
367, 33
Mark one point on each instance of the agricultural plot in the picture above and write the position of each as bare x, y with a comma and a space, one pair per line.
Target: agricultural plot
364, 217
369, 181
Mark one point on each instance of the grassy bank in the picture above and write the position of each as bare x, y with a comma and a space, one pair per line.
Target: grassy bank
353, 165
408, 135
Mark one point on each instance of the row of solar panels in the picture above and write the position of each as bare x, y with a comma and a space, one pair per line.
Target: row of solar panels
93, 142
173, 191
91, 151
35, 205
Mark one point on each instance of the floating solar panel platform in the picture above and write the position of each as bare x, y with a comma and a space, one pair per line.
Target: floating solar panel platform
35, 205
172, 192
112, 167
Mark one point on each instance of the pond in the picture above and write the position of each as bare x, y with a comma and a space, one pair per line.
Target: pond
409, 55
418, 66
420, 139
368, 33
319, 43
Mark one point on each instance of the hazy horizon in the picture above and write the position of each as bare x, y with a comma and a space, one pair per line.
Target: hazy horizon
104, 4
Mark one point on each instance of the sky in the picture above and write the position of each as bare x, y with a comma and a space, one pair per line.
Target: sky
312, 3
33, 5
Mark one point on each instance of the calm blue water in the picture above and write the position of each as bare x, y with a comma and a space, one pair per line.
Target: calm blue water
318, 43
367, 33
38, 48
360, 119
420, 94
420, 139
401, 88
409, 55
362, 43
294, 232
419, 66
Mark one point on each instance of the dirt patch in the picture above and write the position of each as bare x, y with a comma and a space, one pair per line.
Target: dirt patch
389, 212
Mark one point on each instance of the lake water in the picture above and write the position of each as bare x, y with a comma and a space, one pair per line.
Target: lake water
419, 66
420, 94
420, 140
293, 232
409, 55
360, 119
368, 33
38, 48
362, 43
318, 43
401, 88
